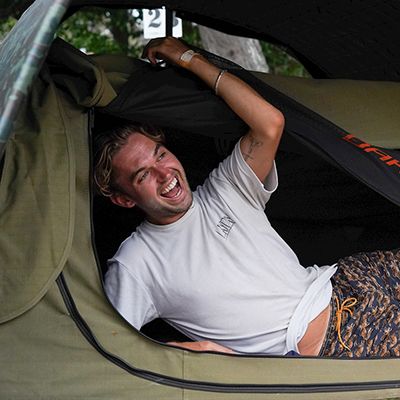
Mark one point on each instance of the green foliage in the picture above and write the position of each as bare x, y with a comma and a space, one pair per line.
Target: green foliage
281, 63
5, 26
96, 31
99, 30
191, 34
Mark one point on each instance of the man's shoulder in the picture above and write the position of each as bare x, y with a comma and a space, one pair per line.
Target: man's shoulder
131, 258
129, 246
132, 240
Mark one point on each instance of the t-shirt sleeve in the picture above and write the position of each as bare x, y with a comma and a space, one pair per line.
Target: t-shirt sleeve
238, 173
126, 294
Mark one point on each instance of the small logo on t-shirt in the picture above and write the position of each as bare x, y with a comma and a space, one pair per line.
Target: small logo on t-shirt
224, 226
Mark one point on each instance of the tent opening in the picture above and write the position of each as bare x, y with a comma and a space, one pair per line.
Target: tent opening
319, 209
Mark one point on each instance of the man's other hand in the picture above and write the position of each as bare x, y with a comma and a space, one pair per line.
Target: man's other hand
202, 346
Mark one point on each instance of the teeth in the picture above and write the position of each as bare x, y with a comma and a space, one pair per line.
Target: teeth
170, 186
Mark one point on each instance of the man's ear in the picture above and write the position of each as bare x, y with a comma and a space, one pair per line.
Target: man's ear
122, 200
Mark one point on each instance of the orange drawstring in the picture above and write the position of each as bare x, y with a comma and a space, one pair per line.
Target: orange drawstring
350, 302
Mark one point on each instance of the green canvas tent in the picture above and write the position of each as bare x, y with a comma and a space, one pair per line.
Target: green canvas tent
60, 337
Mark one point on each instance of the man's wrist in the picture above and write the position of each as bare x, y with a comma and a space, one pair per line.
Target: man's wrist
204, 69
186, 58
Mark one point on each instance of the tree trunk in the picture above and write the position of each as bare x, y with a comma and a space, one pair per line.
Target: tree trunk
243, 51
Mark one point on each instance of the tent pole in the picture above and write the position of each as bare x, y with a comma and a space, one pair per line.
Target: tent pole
168, 22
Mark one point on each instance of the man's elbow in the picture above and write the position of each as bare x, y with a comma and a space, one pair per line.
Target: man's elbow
276, 124
279, 122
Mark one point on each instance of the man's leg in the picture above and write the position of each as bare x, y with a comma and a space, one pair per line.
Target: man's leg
371, 327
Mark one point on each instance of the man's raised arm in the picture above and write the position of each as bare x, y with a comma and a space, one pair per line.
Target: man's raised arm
265, 121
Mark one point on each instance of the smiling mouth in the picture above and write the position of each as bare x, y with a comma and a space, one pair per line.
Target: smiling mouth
172, 190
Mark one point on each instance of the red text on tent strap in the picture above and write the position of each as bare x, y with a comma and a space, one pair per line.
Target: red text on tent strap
382, 156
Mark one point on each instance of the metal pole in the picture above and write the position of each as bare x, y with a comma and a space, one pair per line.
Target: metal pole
168, 22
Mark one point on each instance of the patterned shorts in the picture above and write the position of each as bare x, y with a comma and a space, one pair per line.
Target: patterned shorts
371, 326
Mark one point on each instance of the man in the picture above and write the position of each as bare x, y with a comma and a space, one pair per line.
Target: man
209, 262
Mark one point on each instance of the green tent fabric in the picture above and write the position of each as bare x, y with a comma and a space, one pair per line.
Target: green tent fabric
42, 171
344, 101
59, 336
37, 195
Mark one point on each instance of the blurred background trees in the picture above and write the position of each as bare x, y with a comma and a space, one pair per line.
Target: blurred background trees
97, 30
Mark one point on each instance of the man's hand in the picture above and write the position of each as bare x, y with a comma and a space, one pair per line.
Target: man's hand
167, 49
202, 346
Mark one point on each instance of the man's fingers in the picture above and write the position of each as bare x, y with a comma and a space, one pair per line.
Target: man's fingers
168, 49
202, 346
216, 347
151, 56
149, 50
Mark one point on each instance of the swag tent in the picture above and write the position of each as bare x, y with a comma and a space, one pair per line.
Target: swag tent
339, 193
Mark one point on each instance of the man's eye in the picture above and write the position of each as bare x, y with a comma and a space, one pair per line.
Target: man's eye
161, 156
143, 176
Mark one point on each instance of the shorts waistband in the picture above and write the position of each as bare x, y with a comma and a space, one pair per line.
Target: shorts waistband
339, 305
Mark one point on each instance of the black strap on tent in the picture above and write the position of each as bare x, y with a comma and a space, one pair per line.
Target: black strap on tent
376, 167
174, 98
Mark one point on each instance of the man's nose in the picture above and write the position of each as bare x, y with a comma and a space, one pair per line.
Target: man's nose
163, 173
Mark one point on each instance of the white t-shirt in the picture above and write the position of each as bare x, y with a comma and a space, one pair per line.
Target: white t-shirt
221, 272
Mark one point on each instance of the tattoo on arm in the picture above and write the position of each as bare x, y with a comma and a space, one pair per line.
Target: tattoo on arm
252, 145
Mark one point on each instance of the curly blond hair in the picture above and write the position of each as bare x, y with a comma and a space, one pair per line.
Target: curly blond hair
107, 144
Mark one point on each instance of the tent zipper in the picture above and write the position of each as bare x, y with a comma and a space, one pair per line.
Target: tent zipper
206, 386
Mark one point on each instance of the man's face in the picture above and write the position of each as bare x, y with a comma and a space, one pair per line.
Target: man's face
151, 177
